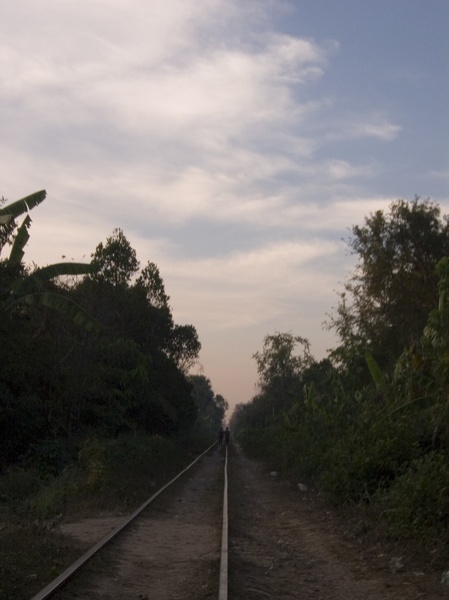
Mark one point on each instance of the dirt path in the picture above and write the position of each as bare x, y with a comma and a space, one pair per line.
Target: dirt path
283, 545
286, 545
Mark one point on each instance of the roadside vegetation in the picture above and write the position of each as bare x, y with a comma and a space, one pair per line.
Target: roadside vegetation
368, 425
97, 406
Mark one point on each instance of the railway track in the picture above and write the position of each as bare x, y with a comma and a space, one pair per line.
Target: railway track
282, 545
143, 557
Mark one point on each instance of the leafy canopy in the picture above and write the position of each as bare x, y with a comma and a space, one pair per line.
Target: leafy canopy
386, 301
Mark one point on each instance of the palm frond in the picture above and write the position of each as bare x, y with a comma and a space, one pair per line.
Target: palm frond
36, 280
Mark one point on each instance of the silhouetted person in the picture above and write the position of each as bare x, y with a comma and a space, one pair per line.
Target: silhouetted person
226, 436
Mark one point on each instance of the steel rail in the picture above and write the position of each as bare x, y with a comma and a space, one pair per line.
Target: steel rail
223, 584
65, 575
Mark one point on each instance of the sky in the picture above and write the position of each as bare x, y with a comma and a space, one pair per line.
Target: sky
235, 143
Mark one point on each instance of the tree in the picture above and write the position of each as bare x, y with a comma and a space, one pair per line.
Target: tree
116, 261
155, 319
211, 407
278, 364
135, 307
184, 346
385, 303
280, 369
151, 281
421, 375
221, 403
29, 362
277, 359
138, 310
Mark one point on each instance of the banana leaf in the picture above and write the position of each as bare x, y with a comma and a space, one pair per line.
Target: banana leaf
20, 241
35, 281
13, 210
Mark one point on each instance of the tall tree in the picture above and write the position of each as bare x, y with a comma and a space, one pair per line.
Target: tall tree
116, 261
280, 366
156, 320
278, 361
180, 342
184, 346
151, 282
385, 303
29, 362
211, 408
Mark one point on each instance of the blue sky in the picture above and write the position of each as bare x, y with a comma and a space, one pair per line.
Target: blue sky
234, 141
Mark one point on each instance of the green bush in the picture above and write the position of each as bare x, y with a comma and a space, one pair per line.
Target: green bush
418, 501
366, 459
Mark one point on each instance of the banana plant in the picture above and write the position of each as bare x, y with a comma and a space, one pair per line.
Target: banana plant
31, 289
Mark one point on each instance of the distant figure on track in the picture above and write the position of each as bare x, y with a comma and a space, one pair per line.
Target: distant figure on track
226, 436
220, 436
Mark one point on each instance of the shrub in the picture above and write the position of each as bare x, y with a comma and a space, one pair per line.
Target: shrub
418, 501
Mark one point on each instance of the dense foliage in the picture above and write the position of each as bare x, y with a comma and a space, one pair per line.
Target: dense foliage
211, 407
369, 424
87, 349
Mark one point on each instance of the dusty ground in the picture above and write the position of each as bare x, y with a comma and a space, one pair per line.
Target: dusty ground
284, 544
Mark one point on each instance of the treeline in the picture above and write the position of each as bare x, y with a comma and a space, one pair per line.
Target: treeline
90, 350
369, 424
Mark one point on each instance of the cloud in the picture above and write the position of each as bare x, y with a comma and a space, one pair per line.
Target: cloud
172, 110
440, 174
146, 65
377, 128
266, 277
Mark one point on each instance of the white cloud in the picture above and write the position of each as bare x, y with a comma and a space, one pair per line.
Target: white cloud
378, 129
248, 287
